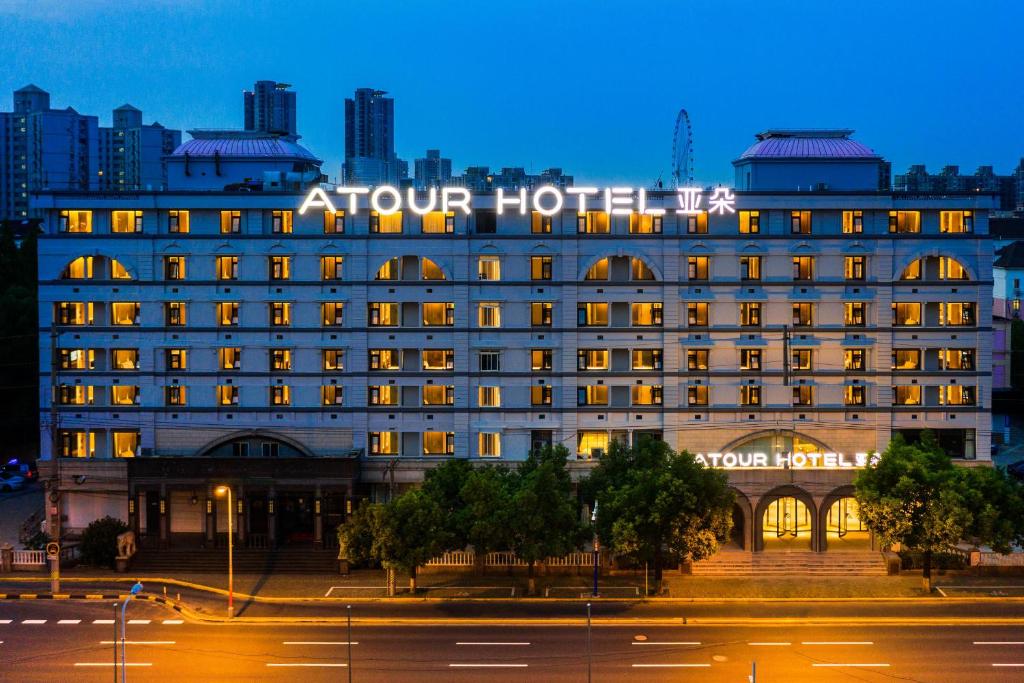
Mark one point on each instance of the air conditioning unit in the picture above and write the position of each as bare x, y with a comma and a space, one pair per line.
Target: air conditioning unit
596, 453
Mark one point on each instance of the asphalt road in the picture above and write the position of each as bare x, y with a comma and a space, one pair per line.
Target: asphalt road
60, 641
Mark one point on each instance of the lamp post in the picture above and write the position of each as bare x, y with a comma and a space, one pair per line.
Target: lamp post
136, 589
593, 520
220, 491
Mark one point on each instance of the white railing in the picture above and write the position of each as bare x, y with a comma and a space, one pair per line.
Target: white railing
30, 557
454, 558
571, 560
990, 559
503, 559
467, 558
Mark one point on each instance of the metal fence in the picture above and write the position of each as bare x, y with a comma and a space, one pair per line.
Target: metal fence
467, 558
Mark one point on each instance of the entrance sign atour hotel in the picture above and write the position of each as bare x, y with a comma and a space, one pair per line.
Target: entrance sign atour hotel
795, 461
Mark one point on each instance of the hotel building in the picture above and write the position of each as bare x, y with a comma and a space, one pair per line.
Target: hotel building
199, 337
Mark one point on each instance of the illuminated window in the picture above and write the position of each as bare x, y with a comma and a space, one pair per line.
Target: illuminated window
645, 224
175, 395
908, 313
227, 267
956, 221
77, 359
280, 360
385, 359
541, 360
697, 224
697, 314
750, 222
281, 222
802, 360
489, 444
541, 395
227, 313
177, 221
750, 314
280, 395
391, 270
124, 359
77, 444
956, 359
124, 313
229, 358
803, 268
646, 314
125, 221
438, 443
79, 269
750, 267
176, 359
438, 222
438, 360
598, 271
332, 313
383, 443
334, 360
750, 395
951, 269
75, 221
230, 222
855, 314
592, 395
438, 395
907, 395
697, 267
330, 267
646, 359
592, 359
382, 395
591, 444
334, 222
540, 267
957, 395
539, 223
126, 444
855, 267
541, 314
430, 270
644, 395
118, 271
855, 360
593, 222
853, 222
800, 222
912, 271
331, 395
174, 267
639, 270
489, 314
386, 224
803, 395
750, 360
124, 395
803, 315
957, 314
592, 315
75, 395
906, 359
904, 221
73, 313
489, 397
697, 395
854, 395
488, 268
280, 267
438, 314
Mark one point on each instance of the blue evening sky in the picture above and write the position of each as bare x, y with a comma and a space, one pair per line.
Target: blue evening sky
593, 87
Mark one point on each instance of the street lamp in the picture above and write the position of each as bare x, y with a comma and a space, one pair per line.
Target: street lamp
220, 491
593, 520
136, 589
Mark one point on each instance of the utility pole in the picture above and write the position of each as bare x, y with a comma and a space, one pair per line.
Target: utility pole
55, 454
589, 658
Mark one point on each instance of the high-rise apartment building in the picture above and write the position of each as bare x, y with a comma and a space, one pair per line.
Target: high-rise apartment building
132, 153
370, 139
432, 170
270, 108
1009, 188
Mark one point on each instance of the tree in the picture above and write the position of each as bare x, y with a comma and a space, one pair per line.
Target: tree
355, 536
656, 504
99, 541
410, 531
911, 495
544, 518
444, 485
996, 503
484, 519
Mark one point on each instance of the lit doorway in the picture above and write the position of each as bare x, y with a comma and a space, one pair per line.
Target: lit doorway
844, 528
787, 525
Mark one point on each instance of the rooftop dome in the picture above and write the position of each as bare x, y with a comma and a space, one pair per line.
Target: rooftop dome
262, 147
808, 144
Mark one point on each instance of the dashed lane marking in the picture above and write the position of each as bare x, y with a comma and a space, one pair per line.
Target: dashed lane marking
862, 666
5, 621
173, 622
1009, 665
112, 664
671, 666
769, 644
322, 664
837, 642
138, 622
467, 642
666, 642
103, 621
70, 621
139, 642
318, 642
999, 642
33, 621
487, 666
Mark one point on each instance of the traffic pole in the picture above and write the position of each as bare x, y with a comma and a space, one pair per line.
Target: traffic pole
349, 612
589, 658
115, 642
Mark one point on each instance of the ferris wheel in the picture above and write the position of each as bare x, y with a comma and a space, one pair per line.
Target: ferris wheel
682, 151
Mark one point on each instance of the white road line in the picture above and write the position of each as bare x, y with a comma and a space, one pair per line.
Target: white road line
999, 642
112, 664
488, 666
5, 621
33, 621
170, 622
70, 621
139, 642
463, 642
323, 664
837, 642
103, 621
769, 644
671, 666
849, 665
1009, 665
139, 622
318, 642
666, 642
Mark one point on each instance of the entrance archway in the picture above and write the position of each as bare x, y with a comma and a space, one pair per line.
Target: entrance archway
786, 520
842, 525
741, 536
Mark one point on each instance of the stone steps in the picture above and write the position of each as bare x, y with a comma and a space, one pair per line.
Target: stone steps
792, 564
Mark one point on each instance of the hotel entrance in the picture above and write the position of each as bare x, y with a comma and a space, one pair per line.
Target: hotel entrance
294, 515
787, 524
844, 529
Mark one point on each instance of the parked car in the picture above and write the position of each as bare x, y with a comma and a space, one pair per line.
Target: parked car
27, 470
11, 482
1016, 469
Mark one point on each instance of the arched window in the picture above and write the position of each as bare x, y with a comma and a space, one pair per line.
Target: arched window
598, 271
79, 269
934, 268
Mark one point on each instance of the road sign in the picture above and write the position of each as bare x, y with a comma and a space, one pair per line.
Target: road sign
53, 550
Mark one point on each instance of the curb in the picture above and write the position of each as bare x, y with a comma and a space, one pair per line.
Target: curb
63, 596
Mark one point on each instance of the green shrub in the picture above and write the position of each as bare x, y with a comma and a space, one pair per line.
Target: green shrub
37, 541
99, 541
914, 559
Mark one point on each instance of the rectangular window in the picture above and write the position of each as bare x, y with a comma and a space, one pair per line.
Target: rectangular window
281, 222
904, 314
696, 395
280, 267
800, 222
77, 359
75, 221
539, 223
382, 395
489, 444
591, 444
541, 360
904, 221
230, 358
592, 395
438, 222
122, 313
382, 314
280, 395
230, 222
803, 268
541, 314
750, 314
438, 395
227, 395
174, 267
174, 313
385, 359
697, 360
227, 313
803, 315
956, 221
390, 224
332, 395
957, 395
592, 359
644, 395
334, 360
855, 360
907, 395
488, 268
383, 443
490, 361
438, 360
125, 221
593, 222
334, 222
644, 224
124, 359
646, 359
488, 314
697, 267
177, 221
126, 444
438, 443
957, 314
750, 360
227, 267
77, 444
803, 395
75, 395
330, 267
697, 224
853, 222
750, 395
750, 222
906, 359
855, 314
540, 267
175, 395
697, 314
74, 313
750, 267
280, 313
592, 315
489, 397
956, 359
486, 221
332, 313
541, 395
646, 314
438, 314
176, 359
280, 360
124, 395
802, 360
854, 395
855, 267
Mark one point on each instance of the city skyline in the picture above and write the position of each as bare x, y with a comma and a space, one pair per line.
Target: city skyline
497, 119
